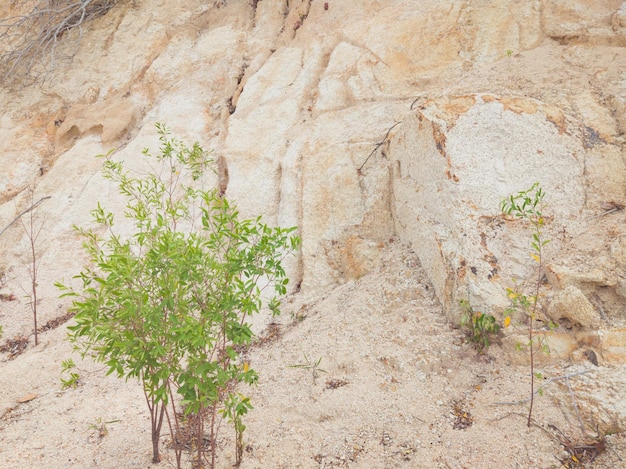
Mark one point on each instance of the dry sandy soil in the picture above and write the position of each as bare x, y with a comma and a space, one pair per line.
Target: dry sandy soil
396, 387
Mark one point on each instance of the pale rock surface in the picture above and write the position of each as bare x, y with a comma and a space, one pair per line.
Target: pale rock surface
618, 20
583, 21
295, 98
367, 125
447, 192
571, 308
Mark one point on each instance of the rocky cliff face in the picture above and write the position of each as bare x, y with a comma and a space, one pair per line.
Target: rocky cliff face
363, 123
388, 132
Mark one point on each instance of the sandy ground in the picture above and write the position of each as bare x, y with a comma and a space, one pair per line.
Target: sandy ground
396, 386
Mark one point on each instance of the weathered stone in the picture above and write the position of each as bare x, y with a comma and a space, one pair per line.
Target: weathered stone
571, 308
447, 191
582, 21
618, 20
113, 121
598, 396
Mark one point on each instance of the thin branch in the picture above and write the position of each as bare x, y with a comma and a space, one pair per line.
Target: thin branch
25, 212
616, 209
378, 145
571, 393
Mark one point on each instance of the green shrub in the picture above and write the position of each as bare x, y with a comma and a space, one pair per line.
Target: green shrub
169, 304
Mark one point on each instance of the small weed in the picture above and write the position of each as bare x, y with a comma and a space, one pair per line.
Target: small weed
100, 426
509, 54
69, 378
300, 315
480, 326
314, 367
32, 227
577, 453
235, 407
581, 454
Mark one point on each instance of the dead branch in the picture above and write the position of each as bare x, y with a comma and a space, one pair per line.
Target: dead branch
32, 40
378, 145
25, 212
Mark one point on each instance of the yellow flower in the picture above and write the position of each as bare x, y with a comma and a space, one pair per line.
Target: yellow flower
507, 321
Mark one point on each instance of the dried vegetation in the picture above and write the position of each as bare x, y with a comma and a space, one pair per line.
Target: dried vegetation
32, 36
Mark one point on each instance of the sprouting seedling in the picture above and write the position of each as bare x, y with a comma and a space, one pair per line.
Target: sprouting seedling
528, 205
69, 377
101, 426
314, 367
32, 228
509, 54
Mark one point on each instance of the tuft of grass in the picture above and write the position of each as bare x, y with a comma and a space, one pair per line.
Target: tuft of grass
312, 366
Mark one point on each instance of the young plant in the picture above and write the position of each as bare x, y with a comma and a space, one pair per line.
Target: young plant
69, 377
312, 366
32, 229
235, 407
169, 305
480, 326
528, 206
509, 54
100, 426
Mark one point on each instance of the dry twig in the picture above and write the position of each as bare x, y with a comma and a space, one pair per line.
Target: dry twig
25, 212
32, 40
378, 145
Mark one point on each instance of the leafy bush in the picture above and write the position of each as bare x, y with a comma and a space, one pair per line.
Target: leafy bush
169, 305
480, 326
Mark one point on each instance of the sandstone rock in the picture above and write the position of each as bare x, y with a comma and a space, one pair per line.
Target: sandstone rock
599, 398
306, 120
582, 21
618, 20
607, 347
363, 124
113, 120
571, 308
454, 161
